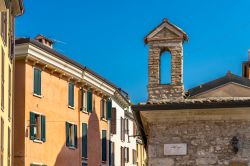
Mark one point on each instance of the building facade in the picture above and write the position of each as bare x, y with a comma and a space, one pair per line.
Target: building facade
123, 138
206, 125
63, 108
8, 11
141, 157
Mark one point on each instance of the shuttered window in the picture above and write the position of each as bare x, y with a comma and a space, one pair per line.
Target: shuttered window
113, 121
134, 156
84, 140
71, 135
126, 125
123, 129
37, 127
71, 94
37, 81
126, 153
109, 109
104, 145
89, 101
103, 109
83, 100
2, 81
122, 156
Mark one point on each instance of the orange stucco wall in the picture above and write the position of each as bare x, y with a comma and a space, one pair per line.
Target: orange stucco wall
54, 105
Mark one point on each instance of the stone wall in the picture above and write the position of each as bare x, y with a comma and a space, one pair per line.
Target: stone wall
173, 90
208, 142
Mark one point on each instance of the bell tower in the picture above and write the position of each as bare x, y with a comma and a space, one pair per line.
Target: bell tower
170, 38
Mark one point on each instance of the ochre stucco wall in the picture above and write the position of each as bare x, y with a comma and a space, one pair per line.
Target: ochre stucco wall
54, 105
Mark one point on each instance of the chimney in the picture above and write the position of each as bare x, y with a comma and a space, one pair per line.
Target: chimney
249, 55
44, 40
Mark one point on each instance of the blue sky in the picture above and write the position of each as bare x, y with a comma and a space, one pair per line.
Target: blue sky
107, 36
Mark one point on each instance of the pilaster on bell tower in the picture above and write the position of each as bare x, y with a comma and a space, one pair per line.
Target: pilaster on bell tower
170, 38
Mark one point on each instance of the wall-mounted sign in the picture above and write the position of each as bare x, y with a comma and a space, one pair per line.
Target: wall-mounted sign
175, 149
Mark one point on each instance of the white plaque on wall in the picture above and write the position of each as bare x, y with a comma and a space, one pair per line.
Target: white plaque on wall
175, 149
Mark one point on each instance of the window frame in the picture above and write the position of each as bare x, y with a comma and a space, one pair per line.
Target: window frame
103, 109
72, 134
35, 91
38, 126
83, 100
71, 85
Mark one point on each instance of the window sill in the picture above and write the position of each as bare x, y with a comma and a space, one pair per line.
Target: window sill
36, 95
38, 141
71, 107
103, 119
84, 111
84, 158
72, 147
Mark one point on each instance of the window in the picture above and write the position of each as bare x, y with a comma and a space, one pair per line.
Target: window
113, 121
165, 68
109, 109
104, 145
89, 101
71, 135
134, 156
37, 127
71, 94
103, 109
2, 142
122, 156
111, 153
83, 100
9, 97
122, 129
84, 140
106, 109
126, 124
9, 148
37, 82
126, 157
2, 81
4, 26
134, 130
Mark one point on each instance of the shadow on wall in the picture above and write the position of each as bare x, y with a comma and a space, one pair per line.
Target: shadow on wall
73, 157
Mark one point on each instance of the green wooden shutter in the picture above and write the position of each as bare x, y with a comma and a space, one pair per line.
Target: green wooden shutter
84, 140
67, 134
109, 109
71, 94
75, 136
89, 102
102, 108
82, 95
32, 125
37, 81
104, 145
43, 120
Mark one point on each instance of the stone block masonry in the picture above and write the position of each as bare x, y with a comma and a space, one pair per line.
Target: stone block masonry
175, 89
208, 142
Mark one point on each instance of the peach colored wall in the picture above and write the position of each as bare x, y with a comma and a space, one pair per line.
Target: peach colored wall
54, 105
